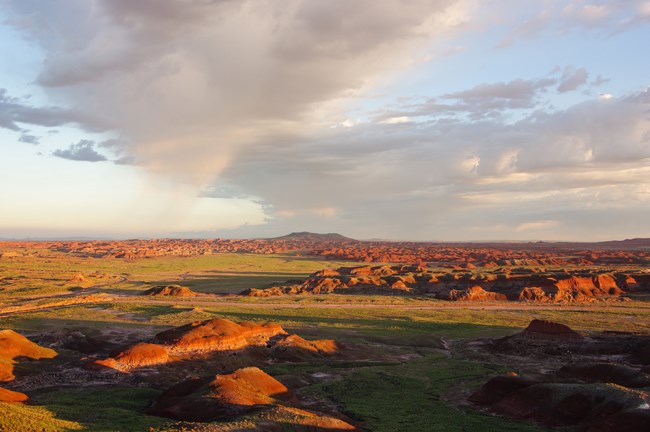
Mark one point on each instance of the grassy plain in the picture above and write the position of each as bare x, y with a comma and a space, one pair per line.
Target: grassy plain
415, 388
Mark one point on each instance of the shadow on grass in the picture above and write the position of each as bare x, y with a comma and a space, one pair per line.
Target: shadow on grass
387, 324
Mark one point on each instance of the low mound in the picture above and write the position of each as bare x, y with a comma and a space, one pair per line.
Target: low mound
475, 293
606, 373
499, 387
220, 398
170, 291
78, 277
137, 356
12, 396
295, 348
217, 335
628, 420
558, 404
536, 294
74, 340
227, 396
542, 329
14, 345
555, 404
541, 338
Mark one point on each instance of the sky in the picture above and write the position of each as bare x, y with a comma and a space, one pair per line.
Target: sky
425, 120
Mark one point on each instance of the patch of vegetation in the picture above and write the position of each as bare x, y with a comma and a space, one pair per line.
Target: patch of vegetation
102, 408
16, 417
411, 397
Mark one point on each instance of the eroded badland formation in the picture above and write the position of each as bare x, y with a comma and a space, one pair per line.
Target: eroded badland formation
322, 332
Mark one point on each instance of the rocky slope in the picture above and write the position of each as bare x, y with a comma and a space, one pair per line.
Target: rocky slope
461, 285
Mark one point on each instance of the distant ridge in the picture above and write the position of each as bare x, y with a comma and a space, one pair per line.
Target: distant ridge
639, 242
634, 243
314, 237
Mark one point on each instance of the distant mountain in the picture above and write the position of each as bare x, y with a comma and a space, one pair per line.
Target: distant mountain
314, 237
625, 244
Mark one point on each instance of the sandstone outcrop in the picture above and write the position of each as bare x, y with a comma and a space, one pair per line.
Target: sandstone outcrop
295, 348
540, 338
475, 293
603, 372
586, 394
626, 420
73, 340
211, 337
549, 330
138, 356
518, 284
217, 335
170, 291
221, 397
14, 345
568, 404
499, 387
558, 404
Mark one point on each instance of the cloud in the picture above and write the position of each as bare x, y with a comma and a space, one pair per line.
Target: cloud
14, 111
587, 14
536, 225
82, 151
440, 176
512, 94
600, 80
396, 120
598, 17
572, 79
192, 90
489, 100
29, 139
